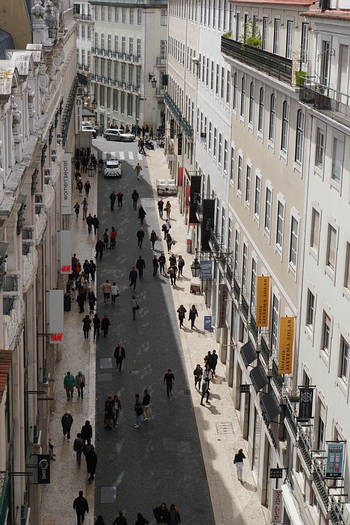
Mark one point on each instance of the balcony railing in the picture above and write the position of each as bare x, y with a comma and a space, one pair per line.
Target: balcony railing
278, 379
265, 351
4, 496
325, 98
187, 129
271, 64
253, 328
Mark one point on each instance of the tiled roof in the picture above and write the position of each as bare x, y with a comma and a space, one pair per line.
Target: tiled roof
337, 14
5, 363
301, 3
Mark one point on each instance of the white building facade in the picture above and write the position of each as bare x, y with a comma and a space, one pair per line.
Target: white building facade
84, 32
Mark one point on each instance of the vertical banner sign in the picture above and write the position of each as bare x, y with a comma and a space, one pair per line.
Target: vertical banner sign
222, 303
305, 403
285, 352
335, 453
66, 184
43, 469
207, 223
277, 506
187, 195
262, 301
180, 176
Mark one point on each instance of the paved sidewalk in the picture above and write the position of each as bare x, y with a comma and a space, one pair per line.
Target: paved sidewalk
233, 503
74, 354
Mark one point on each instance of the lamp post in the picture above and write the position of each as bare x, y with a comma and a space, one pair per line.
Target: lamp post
195, 267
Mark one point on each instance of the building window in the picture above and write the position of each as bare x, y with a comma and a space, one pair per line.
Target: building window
139, 17
102, 41
244, 269
251, 103
115, 100
304, 45
228, 82
264, 32
276, 36
235, 262
285, 125
232, 167
299, 136
207, 73
116, 43
261, 110
123, 44
116, 14
310, 309
131, 46
237, 25
326, 333
289, 39
347, 267
272, 123
217, 79
109, 42
123, 15
315, 229
337, 159
293, 245
109, 14
248, 184
220, 148
253, 279
122, 102
319, 152
325, 55
235, 81
268, 205
344, 360
320, 433
209, 137
331, 247
138, 48
242, 96
138, 77
239, 173
274, 324
102, 13
279, 225
222, 83
212, 75
257, 196
215, 142
130, 104
225, 156
163, 17
131, 16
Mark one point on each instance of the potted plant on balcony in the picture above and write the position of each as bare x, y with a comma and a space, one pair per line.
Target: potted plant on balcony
251, 34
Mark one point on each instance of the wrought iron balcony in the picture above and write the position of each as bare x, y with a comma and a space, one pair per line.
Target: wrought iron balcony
291, 417
83, 16
305, 450
271, 64
187, 129
253, 328
325, 98
4, 496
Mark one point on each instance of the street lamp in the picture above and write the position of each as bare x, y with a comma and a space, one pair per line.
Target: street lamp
195, 267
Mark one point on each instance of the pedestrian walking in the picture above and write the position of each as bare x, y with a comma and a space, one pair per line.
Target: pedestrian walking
80, 186
112, 198
141, 214
95, 223
169, 380
180, 265
120, 199
160, 205
174, 515
155, 265
161, 260
92, 269
140, 520
142, 147
138, 410
172, 271
146, 401
169, 241
134, 307
100, 520
85, 208
133, 278
86, 326
87, 187
140, 236
78, 446
99, 249
238, 461
80, 505
140, 265
97, 323
114, 292
108, 418
80, 384
214, 361
105, 324
138, 170
205, 391
81, 301
153, 238
193, 313
116, 409
208, 374
135, 198
68, 384
181, 312
165, 229
119, 356
198, 373
207, 359
76, 209
112, 238
91, 462
106, 289
120, 519
86, 432
105, 238
89, 222
66, 422
161, 514
167, 208
92, 301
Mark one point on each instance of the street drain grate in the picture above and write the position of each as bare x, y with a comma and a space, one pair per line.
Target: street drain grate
224, 428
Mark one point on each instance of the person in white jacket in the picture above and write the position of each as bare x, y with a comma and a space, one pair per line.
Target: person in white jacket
114, 292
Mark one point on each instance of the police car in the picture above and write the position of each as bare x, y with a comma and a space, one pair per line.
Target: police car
112, 169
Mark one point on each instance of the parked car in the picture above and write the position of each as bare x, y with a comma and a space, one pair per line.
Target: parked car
112, 169
90, 129
118, 134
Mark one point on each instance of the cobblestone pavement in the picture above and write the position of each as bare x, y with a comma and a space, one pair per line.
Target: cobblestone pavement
74, 354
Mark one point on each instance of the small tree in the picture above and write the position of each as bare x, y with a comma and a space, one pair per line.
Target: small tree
251, 34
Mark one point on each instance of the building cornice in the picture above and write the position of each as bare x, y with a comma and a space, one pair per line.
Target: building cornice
144, 5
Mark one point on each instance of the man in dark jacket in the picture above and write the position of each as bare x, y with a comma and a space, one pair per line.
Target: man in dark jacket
86, 326
133, 277
120, 520
92, 266
155, 265
112, 199
95, 223
81, 506
140, 265
140, 235
142, 214
97, 324
78, 446
91, 462
99, 248
161, 514
66, 422
89, 222
119, 356
135, 198
105, 324
86, 432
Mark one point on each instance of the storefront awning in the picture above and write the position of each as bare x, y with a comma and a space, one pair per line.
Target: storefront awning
258, 377
269, 406
248, 353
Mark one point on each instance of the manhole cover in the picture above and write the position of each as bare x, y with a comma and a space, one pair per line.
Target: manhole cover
104, 377
106, 362
224, 428
108, 494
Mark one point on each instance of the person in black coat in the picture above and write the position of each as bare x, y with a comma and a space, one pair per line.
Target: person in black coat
86, 326
81, 301
92, 270
142, 214
169, 241
140, 235
155, 265
80, 505
120, 519
161, 514
192, 315
66, 422
89, 222
140, 265
119, 356
105, 324
92, 300
99, 248
97, 323
135, 198
140, 520
91, 462
112, 199
86, 432
95, 223
133, 277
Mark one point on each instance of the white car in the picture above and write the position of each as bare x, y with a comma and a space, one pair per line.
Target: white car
90, 129
118, 134
112, 169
